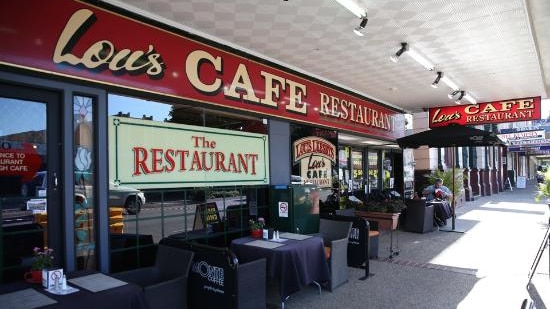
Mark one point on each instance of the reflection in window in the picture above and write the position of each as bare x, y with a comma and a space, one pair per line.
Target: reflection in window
183, 114
343, 169
84, 175
23, 187
373, 170
179, 212
357, 162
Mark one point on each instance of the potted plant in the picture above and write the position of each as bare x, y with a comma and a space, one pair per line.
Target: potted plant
386, 212
256, 227
42, 259
544, 188
456, 186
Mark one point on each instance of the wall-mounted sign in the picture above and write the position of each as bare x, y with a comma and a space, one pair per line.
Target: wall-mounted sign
522, 136
316, 156
147, 154
24, 161
87, 42
492, 112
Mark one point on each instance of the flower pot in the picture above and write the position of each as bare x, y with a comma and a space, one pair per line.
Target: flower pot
256, 233
386, 221
33, 276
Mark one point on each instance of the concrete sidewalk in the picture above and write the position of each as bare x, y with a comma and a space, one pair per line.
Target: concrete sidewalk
485, 267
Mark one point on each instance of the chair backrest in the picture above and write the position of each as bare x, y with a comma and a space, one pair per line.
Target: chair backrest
348, 212
172, 262
332, 229
415, 202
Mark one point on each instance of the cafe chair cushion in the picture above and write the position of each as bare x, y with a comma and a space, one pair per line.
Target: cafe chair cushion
335, 235
165, 283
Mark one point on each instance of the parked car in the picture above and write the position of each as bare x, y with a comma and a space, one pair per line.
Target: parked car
129, 198
119, 196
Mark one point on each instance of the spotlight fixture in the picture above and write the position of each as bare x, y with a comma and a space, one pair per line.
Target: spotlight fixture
353, 7
437, 79
457, 95
413, 53
449, 82
362, 25
470, 98
404, 48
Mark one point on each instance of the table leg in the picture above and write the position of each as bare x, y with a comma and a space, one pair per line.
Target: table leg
393, 252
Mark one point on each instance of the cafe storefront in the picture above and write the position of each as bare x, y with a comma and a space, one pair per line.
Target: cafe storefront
103, 135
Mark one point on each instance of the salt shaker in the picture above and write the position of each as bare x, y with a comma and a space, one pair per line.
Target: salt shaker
64, 283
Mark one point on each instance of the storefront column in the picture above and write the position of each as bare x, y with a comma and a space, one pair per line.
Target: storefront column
468, 194
279, 144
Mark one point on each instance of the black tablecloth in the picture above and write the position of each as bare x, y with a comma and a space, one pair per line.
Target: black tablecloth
128, 296
442, 211
294, 265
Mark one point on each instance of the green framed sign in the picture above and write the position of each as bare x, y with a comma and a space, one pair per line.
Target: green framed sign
147, 154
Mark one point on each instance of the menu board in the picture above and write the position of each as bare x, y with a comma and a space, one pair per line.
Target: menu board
206, 214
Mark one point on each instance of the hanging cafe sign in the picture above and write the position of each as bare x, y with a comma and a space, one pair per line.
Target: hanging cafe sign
523, 109
316, 156
78, 40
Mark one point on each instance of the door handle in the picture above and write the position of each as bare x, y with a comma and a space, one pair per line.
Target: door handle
55, 180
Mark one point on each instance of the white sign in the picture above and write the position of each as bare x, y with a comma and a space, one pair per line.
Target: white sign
521, 182
524, 135
316, 156
148, 154
37, 205
530, 142
50, 277
283, 209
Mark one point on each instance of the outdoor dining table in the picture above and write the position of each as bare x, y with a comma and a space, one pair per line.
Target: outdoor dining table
292, 263
22, 295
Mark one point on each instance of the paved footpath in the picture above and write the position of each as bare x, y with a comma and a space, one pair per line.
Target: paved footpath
487, 266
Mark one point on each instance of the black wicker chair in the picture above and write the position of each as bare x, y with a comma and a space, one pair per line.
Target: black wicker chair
165, 283
419, 216
335, 235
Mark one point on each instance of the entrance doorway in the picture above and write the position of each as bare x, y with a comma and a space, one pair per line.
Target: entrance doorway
30, 185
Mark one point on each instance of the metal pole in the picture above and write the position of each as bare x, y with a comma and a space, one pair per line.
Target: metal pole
453, 196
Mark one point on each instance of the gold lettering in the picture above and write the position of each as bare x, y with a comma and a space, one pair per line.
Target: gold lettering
273, 86
103, 52
192, 68
344, 112
324, 104
489, 108
506, 105
437, 118
241, 81
295, 97
526, 104
468, 109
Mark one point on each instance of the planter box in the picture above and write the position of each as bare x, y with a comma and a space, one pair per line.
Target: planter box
386, 221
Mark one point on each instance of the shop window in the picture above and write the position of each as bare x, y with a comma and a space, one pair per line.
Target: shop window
357, 170
373, 169
184, 114
343, 167
23, 194
84, 175
387, 170
212, 215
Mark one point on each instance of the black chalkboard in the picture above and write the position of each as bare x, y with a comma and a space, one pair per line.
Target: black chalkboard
206, 214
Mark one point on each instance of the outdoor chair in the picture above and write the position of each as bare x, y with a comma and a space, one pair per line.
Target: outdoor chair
165, 283
419, 217
374, 231
335, 235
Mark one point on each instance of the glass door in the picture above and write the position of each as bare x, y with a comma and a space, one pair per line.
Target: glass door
30, 203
